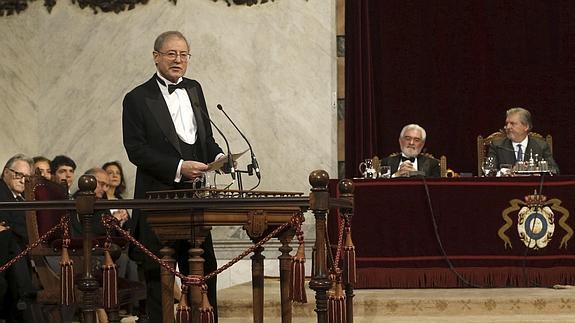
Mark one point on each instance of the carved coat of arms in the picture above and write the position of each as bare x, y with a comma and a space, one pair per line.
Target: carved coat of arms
535, 221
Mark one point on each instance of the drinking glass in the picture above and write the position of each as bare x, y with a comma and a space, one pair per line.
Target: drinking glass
506, 170
488, 167
384, 171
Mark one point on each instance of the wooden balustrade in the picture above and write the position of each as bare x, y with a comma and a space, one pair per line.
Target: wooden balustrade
173, 217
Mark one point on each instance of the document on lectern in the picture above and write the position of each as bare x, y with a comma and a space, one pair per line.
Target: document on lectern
219, 163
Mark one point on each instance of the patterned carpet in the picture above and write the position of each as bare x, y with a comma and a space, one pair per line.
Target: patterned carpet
418, 305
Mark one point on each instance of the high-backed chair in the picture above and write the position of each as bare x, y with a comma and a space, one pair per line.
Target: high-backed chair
41, 221
483, 145
443, 166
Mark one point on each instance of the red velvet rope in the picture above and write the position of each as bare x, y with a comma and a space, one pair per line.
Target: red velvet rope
109, 221
42, 239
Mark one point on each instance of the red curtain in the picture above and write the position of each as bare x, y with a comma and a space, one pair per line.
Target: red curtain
455, 67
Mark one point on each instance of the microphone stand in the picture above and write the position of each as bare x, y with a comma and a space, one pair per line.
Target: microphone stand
253, 166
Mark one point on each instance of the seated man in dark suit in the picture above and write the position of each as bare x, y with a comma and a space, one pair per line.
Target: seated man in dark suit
519, 144
411, 141
98, 229
63, 168
18, 277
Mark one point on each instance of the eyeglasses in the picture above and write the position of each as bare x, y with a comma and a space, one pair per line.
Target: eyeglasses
172, 55
17, 175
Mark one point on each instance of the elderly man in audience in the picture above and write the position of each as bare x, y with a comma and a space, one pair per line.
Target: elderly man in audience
410, 160
519, 145
18, 277
102, 183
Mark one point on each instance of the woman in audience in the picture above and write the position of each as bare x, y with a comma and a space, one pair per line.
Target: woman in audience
42, 167
117, 183
116, 187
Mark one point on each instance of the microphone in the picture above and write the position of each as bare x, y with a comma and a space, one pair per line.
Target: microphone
254, 160
230, 159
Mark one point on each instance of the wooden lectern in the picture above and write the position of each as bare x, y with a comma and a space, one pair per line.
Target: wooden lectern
257, 212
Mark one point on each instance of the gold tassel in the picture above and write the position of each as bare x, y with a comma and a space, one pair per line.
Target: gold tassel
109, 282
349, 275
183, 311
206, 310
297, 291
67, 296
336, 312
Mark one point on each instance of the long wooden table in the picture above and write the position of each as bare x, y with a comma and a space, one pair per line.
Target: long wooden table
411, 233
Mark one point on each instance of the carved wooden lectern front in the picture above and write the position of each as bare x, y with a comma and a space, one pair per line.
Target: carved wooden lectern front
257, 212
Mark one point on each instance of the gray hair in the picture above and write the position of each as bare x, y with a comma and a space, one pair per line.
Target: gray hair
524, 116
165, 36
10, 163
95, 170
414, 126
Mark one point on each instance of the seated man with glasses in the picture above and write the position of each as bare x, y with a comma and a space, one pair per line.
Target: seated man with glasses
18, 277
102, 183
410, 160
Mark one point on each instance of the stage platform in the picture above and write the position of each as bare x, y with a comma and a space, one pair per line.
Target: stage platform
417, 305
525, 305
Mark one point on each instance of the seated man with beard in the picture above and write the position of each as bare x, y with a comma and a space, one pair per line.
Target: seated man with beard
411, 141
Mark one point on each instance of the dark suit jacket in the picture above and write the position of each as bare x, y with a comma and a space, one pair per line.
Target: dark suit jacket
150, 137
428, 165
152, 143
15, 219
503, 152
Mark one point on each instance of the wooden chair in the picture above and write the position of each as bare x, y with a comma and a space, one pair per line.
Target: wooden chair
443, 166
38, 223
483, 145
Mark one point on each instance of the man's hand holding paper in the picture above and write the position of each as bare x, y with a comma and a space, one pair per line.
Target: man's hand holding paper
220, 162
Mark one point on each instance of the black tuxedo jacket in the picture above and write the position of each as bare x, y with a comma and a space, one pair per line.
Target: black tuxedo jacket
503, 153
428, 165
152, 144
15, 219
150, 137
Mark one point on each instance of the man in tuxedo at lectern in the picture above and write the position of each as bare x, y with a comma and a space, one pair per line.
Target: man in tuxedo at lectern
519, 145
410, 160
167, 135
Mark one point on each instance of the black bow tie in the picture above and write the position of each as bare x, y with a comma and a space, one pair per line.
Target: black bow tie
172, 87
411, 159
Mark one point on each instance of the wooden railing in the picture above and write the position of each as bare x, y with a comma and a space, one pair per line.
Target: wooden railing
208, 211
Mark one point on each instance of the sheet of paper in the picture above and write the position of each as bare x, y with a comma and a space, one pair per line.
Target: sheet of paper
217, 164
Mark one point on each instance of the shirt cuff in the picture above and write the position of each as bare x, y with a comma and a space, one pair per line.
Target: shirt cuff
179, 172
220, 155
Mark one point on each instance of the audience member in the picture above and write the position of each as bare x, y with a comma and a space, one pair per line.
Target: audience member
18, 277
63, 168
117, 185
102, 183
411, 141
42, 167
